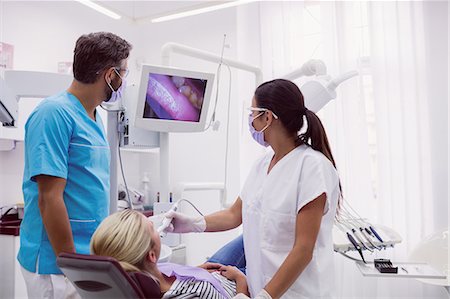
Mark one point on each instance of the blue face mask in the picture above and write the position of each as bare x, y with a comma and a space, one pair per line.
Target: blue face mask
257, 135
116, 94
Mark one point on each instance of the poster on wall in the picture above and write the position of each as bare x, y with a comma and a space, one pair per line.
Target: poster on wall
6, 56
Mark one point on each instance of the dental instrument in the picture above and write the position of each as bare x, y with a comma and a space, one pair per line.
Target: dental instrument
352, 228
168, 220
351, 239
358, 224
371, 228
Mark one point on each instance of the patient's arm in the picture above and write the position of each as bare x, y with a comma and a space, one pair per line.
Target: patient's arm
235, 274
225, 219
230, 272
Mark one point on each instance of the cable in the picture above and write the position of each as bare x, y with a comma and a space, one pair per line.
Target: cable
123, 174
7, 211
353, 241
228, 120
370, 228
191, 205
219, 67
223, 48
349, 219
228, 135
352, 258
213, 117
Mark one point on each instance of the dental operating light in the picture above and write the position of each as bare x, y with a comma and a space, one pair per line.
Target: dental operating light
322, 89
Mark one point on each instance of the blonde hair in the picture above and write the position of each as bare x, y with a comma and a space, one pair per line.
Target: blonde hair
124, 236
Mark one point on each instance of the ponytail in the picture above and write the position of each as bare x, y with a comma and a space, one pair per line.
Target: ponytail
319, 141
316, 133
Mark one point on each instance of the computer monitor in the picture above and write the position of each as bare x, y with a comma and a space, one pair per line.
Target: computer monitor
172, 99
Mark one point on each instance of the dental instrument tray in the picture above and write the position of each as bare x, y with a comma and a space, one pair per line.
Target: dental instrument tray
351, 232
405, 270
385, 237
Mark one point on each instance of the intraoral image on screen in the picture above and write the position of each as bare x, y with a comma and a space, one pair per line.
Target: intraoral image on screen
174, 98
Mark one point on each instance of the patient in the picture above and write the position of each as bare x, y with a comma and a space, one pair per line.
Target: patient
129, 237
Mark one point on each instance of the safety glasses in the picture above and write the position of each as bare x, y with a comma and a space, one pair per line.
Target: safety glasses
257, 109
127, 71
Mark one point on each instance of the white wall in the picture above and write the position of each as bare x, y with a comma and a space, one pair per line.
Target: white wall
249, 50
436, 24
44, 33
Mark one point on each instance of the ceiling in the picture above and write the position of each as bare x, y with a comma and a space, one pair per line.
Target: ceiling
138, 9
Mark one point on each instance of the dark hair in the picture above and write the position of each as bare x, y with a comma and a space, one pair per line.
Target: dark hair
285, 99
95, 52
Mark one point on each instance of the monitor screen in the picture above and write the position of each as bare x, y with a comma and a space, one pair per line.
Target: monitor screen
174, 97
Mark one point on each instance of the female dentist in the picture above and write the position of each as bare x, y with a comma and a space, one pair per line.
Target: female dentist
288, 203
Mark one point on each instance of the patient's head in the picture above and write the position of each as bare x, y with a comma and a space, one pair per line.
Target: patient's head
130, 238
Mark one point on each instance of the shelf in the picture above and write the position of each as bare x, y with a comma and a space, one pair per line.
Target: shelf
154, 150
405, 270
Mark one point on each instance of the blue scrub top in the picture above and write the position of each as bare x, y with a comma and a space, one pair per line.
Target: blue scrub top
61, 140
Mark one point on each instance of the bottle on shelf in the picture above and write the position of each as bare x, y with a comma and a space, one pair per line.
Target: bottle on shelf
148, 194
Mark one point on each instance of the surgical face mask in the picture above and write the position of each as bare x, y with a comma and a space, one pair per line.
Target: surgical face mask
116, 94
257, 135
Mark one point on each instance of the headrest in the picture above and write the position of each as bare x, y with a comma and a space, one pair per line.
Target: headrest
147, 284
98, 276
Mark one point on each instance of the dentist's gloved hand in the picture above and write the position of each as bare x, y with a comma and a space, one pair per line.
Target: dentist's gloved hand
263, 295
182, 223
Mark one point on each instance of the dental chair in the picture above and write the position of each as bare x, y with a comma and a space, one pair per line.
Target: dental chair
102, 277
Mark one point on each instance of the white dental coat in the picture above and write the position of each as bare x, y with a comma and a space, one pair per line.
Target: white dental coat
270, 204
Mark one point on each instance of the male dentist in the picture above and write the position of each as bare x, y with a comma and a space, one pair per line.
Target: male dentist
67, 158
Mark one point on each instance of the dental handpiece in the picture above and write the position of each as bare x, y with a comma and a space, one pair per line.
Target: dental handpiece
363, 232
376, 234
360, 240
357, 247
367, 237
167, 221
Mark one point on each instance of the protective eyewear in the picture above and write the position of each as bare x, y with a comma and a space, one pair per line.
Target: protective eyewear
257, 109
126, 71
